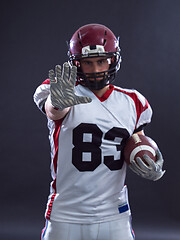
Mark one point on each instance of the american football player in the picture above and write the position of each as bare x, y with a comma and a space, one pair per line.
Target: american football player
89, 121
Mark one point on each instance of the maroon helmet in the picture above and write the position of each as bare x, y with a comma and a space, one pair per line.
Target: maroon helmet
94, 40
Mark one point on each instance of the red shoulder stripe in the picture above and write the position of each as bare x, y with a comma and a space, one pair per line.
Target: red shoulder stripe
138, 104
46, 82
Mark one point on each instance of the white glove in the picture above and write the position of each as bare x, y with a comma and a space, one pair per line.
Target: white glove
152, 171
62, 87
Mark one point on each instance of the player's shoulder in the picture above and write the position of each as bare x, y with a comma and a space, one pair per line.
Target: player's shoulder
41, 93
134, 94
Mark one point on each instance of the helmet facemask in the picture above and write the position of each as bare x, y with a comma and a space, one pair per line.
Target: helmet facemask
92, 80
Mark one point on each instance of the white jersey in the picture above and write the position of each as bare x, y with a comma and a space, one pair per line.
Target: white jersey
87, 168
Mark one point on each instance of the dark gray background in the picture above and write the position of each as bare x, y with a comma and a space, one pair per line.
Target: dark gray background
33, 40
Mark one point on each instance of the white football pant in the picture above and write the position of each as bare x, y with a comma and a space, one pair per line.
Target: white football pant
115, 230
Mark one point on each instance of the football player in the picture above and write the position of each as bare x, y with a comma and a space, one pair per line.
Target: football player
89, 121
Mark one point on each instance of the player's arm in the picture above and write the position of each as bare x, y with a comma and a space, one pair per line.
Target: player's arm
62, 96
141, 132
152, 170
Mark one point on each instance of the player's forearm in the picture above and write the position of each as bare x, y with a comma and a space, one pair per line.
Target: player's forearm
52, 113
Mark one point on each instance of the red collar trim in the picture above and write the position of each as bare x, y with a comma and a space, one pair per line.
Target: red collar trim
106, 94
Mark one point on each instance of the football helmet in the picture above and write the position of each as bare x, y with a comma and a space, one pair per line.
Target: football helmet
94, 40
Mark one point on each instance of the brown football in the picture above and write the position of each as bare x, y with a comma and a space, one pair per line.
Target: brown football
138, 145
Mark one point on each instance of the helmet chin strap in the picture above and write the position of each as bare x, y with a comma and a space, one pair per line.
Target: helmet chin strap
95, 85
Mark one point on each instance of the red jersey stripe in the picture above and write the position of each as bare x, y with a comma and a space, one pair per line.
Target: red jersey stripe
50, 207
55, 137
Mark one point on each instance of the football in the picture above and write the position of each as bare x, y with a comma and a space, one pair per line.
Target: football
138, 145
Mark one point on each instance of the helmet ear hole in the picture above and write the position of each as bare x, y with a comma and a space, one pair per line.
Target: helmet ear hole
77, 63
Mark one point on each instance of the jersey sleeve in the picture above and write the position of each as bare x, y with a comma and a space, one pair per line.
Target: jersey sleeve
143, 110
41, 94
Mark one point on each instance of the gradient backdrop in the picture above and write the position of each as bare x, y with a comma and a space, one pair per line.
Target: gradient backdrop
32, 41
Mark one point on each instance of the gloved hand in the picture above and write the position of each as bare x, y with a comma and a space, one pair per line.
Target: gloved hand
62, 87
152, 170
